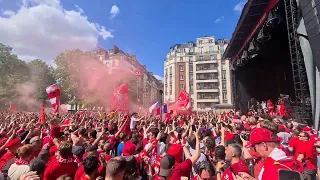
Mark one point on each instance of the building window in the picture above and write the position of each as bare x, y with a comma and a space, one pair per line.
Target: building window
211, 49
200, 41
201, 50
191, 50
224, 95
190, 67
181, 67
224, 74
201, 58
211, 57
181, 77
170, 90
210, 40
181, 86
170, 70
181, 59
224, 85
190, 59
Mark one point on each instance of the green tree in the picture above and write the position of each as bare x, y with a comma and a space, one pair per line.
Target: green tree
13, 71
68, 84
41, 75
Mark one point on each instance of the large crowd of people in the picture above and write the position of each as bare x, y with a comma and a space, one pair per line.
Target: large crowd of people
121, 146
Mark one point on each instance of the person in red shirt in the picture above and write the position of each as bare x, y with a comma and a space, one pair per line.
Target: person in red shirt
9, 158
265, 144
90, 165
205, 170
64, 163
307, 155
294, 141
170, 170
233, 154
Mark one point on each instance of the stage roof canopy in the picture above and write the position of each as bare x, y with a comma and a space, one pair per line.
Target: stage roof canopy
250, 16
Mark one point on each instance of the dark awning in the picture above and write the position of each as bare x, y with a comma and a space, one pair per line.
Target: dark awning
250, 16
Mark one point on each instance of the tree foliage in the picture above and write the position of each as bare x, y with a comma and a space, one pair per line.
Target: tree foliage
13, 71
41, 75
68, 83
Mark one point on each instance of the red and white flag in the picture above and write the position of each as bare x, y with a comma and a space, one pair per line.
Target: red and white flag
120, 98
53, 92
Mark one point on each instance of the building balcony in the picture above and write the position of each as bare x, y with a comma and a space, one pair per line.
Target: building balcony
215, 90
204, 80
214, 100
206, 62
209, 70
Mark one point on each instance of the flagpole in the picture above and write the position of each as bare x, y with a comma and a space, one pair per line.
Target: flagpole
138, 91
161, 103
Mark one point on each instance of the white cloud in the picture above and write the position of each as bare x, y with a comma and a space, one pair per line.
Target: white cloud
238, 8
114, 11
43, 29
219, 19
159, 77
79, 9
8, 13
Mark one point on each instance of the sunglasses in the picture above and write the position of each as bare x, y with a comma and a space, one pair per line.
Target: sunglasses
301, 136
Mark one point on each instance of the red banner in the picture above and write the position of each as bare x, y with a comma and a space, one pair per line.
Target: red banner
120, 98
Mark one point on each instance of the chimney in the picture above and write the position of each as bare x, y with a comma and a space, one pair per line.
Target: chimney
115, 49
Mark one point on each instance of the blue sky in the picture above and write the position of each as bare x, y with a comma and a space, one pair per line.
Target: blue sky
148, 28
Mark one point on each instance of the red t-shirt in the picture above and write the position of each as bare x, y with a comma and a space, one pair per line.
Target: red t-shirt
240, 166
80, 172
307, 148
183, 169
294, 142
56, 169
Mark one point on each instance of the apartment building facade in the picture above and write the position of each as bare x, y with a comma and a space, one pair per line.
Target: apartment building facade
143, 86
197, 67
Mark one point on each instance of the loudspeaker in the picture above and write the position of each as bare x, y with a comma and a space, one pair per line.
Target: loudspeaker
311, 13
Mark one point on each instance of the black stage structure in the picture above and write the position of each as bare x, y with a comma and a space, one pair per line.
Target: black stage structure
267, 59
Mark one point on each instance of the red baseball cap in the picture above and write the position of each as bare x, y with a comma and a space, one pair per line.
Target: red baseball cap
129, 148
260, 135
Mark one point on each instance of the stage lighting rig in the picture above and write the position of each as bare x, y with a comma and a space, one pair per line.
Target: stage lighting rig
263, 35
273, 18
244, 56
253, 47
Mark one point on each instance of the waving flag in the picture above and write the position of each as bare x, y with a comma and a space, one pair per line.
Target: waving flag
53, 92
120, 98
183, 99
12, 108
154, 107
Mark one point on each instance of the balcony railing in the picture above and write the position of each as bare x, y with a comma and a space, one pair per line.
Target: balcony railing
206, 68
207, 78
206, 97
207, 87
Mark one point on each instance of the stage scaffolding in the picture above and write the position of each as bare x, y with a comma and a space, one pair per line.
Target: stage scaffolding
302, 106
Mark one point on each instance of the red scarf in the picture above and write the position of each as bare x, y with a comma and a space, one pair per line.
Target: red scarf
21, 162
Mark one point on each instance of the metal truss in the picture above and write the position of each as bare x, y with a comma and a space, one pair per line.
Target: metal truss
302, 110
